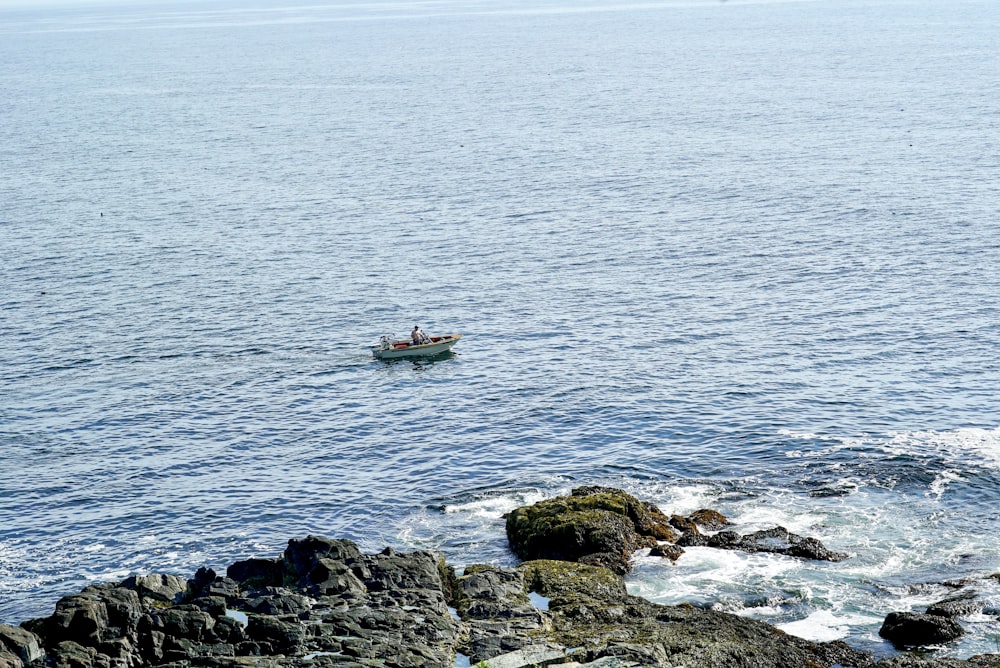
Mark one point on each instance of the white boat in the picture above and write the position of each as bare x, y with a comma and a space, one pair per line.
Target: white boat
388, 348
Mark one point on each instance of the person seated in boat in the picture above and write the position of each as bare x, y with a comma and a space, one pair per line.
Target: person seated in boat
417, 337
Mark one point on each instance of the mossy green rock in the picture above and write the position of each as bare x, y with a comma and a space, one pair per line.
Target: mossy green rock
569, 581
596, 525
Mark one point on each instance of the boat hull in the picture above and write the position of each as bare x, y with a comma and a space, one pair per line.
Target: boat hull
403, 349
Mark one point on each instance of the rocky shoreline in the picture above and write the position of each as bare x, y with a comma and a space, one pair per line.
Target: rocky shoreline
324, 603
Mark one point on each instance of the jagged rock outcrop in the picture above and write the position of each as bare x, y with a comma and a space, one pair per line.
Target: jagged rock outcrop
605, 526
18, 646
594, 525
589, 617
322, 597
322, 603
498, 615
961, 605
777, 540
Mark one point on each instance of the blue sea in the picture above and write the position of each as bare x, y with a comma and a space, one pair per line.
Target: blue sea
742, 255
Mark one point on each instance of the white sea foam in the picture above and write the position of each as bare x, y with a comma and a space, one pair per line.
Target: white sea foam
836, 442
493, 507
825, 626
9, 555
703, 573
959, 445
685, 499
940, 484
796, 520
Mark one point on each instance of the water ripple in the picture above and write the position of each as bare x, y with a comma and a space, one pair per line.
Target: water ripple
764, 282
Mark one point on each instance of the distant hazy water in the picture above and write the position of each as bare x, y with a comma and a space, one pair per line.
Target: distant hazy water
743, 255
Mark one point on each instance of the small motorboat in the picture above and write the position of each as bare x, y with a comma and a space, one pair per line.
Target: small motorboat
389, 348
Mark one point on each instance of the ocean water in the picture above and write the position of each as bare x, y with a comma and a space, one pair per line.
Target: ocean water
740, 255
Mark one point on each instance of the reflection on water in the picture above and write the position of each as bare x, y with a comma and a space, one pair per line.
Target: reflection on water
763, 281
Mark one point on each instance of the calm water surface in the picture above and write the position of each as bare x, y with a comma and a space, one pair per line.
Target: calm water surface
741, 255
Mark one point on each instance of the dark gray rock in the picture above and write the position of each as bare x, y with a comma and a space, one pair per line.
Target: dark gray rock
158, 587
80, 618
283, 635
961, 605
183, 621
279, 601
339, 608
9, 660
480, 583
302, 555
176, 649
228, 630
330, 577
709, 520
726, 540
123, 609
780, 541
203, 577
215, 606
68, 654
692, 539
119, 652
777, 540
683, 524
257, 573
911, 629
671, 552
20, 643
223, 587
494, 604
416, 570
150, 641
536, 654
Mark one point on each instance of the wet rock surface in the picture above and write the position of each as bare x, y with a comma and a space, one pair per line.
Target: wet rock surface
595, 525
777, 540
912, 629
324, 603
322, 599
605, 526
961, 605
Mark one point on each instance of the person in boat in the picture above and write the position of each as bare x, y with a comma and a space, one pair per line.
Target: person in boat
417, 337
